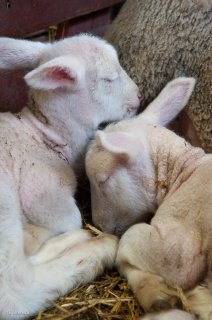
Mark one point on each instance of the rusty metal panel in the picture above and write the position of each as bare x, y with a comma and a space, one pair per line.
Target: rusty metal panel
18, 18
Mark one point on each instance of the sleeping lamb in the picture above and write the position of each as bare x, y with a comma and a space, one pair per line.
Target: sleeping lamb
77, 83
138, 168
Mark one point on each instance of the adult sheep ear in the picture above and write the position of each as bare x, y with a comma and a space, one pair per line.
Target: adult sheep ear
20, 54
169, 102
61, 72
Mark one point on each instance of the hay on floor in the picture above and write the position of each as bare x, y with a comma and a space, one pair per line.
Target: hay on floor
106, 298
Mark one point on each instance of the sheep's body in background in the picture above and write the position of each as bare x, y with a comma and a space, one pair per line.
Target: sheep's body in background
159, 40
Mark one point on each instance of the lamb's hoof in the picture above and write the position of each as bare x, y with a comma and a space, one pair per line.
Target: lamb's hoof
157, 297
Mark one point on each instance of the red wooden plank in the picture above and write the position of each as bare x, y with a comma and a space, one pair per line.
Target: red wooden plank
13, 90
25, 17
94, 23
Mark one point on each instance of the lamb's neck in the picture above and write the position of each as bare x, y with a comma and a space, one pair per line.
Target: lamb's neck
174, 160
65, 135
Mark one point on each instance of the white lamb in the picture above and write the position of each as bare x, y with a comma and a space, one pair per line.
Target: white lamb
137, 168
77, 83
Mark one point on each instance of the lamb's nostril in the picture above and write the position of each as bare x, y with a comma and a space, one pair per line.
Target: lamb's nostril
132, 109
139, 96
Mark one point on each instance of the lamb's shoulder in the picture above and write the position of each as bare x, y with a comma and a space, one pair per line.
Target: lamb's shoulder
39, 174
200, 182
191, 203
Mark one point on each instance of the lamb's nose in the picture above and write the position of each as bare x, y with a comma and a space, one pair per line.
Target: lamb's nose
139, 96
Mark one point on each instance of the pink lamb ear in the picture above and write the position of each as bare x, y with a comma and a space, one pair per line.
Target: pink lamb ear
121, 144
169, 102
62, 72
59, 74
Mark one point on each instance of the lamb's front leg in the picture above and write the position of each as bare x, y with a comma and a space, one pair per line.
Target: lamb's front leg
50, 208
58, 222
77, 262
47, 198
56, 246
154, 265
136, 261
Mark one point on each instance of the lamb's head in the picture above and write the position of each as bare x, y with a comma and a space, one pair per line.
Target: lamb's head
80, 75
115, 168
119, 161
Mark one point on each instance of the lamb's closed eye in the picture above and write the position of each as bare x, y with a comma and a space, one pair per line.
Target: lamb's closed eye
102, 180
